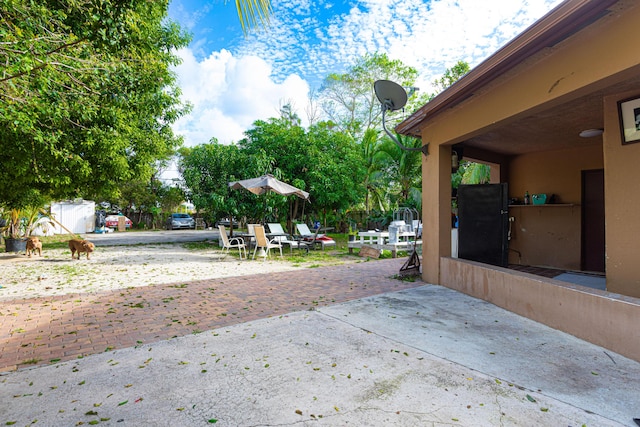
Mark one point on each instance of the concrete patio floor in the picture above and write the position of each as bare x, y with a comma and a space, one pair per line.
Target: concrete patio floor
426, 355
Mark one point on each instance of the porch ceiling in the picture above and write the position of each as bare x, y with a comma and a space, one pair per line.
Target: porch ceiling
553, 128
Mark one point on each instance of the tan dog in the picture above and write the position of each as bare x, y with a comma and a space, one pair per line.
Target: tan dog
34, 244
77, 245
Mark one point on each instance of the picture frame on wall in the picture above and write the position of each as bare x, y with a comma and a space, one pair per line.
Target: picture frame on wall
629, 111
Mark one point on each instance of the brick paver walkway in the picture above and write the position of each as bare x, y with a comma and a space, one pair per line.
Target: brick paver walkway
39, 331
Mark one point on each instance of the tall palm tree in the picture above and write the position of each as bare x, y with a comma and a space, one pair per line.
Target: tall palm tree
376, 158
476, 173
409, 167
404, 169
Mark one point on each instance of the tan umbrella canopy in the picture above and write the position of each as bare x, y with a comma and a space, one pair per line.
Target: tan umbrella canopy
267, 183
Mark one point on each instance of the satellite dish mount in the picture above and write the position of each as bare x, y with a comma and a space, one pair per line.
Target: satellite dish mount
393, 97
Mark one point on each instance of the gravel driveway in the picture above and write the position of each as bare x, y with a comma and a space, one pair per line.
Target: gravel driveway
126, 260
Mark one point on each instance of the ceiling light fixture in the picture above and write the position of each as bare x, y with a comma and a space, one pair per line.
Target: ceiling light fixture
589, 133
393, 97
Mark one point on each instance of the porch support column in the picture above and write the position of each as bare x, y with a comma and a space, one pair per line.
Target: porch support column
436, 210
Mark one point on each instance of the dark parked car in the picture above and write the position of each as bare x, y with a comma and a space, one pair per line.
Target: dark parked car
226, 222
180, 220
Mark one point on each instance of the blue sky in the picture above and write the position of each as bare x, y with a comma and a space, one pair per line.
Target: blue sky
232, 80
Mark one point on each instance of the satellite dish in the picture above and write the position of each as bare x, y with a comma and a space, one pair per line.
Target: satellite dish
393, 97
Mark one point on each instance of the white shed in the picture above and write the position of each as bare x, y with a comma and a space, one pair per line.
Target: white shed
77, 216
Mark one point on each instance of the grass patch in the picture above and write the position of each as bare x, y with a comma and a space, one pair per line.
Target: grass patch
58, 241
69, 270
196, 246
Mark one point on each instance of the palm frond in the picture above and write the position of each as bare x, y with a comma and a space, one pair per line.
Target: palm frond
253, 12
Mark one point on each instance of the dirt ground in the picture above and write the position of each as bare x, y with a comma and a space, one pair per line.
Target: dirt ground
119, 267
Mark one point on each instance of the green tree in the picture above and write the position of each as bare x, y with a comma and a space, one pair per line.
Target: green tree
207, 169
139, 199
278, 146
288, 114
322, 161
349, 100
336, 174
468, 172
86, 96
170, 198
376, 156
475, 173
450, 76
404, 169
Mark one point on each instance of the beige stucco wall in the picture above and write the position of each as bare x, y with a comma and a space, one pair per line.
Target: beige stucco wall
596, 58
550, 235
622, 204
558, 172
578, 66
602, 318
436, 217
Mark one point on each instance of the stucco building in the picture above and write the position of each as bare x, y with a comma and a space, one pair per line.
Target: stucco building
522, 111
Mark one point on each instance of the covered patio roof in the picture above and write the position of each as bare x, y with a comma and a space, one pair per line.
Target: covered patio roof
552, 126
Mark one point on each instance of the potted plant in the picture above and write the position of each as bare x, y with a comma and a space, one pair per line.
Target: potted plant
353, 231
18, 226
12, 231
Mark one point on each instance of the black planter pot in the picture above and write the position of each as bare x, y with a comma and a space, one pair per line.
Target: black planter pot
352, 238
15, 245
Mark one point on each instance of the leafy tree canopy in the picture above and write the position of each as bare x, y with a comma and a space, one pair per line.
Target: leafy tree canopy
450, 76
207, 169
337, 174
86, 95
322, 161
349, 100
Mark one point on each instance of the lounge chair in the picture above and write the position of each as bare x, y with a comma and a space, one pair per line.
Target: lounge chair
264, 243
285, 238
314, 238
231, 243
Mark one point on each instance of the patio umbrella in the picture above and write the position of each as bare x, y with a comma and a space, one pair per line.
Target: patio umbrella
267, 183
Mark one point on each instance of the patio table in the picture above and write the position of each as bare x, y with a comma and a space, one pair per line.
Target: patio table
247, 238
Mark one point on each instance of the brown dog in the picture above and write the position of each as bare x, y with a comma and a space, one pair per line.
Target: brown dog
34, 244
77, 245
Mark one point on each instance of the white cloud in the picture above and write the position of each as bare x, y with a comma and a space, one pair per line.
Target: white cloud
228, 94
430, 36
229, 91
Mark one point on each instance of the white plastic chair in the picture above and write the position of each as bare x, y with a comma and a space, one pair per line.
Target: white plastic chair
231, 243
